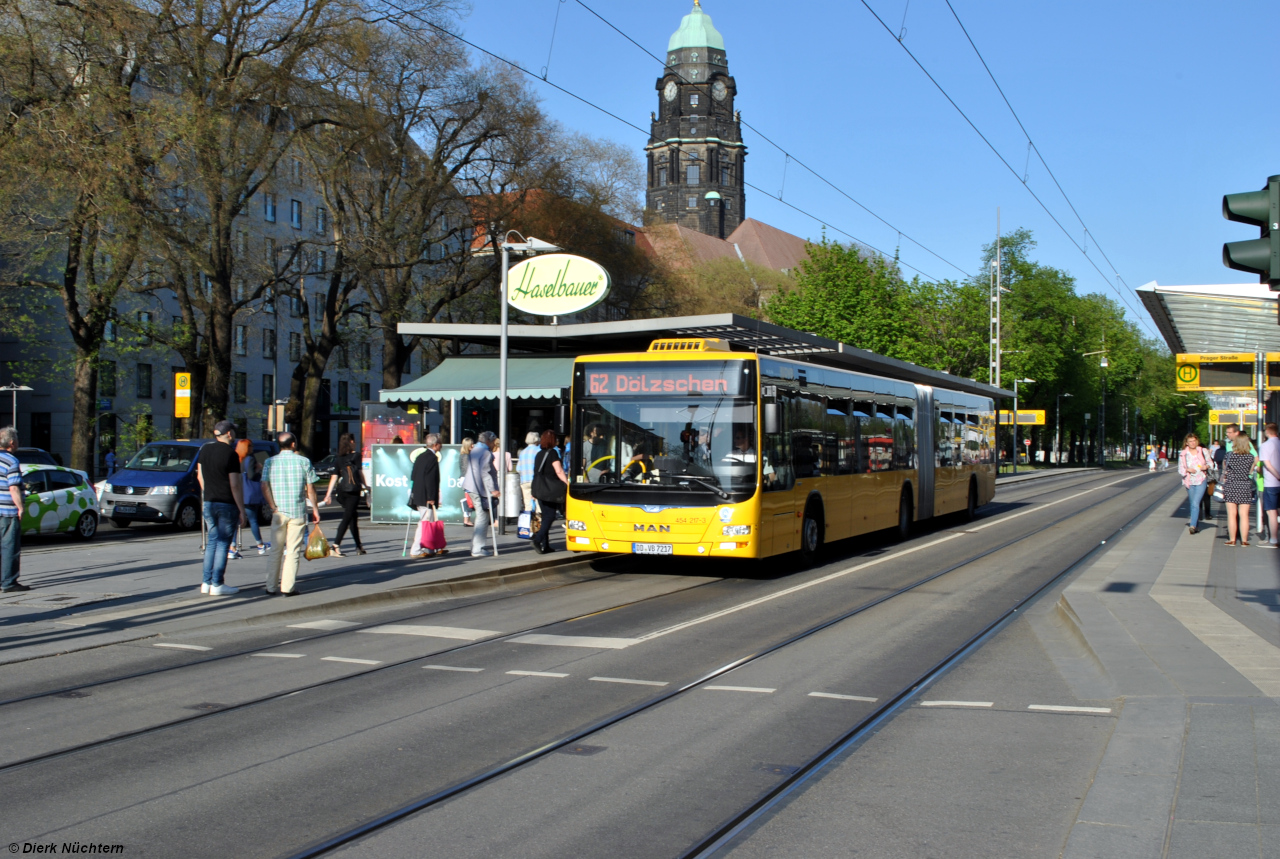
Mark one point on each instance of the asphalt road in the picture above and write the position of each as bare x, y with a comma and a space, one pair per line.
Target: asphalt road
300, 734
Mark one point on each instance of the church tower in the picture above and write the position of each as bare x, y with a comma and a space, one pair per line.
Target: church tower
695, 152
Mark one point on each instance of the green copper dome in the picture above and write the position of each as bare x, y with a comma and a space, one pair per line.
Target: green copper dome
696, 31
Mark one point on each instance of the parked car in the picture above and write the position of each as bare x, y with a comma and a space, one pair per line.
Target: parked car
325, 468
34, 456
58, 500
159, 484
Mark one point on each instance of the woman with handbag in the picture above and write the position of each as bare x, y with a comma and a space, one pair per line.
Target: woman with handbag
348, 479
550, 486
1194, 464
464, 462
1238, 488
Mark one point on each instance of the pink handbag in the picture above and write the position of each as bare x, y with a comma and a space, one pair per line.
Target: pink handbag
431, 537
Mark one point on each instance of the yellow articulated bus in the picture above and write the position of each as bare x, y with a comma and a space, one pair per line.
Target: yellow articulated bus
690, 449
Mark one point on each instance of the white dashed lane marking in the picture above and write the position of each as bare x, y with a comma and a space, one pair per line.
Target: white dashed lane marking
323, 624
537, 674
184, 646
282, 655
740, 689
957, 703
1058, 708
842, 697
576, 641
452, 668
625, 680
433, 631
349, 659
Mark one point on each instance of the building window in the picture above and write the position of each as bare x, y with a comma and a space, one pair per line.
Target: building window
693, 100
268, 207
317, 306
268, 343
342, 395
692, 173
725, 174
144, 326
728, 205
343, 358
693, 202
295, 214
238, 289
364, 392
268, 389
241, 340
242, 243
109, 331
322, 220
297, 307
272, 254
269, 300
662, 176
107, 379
295, 346
297, 172
364, 357
322, 262
240, 387
142, 388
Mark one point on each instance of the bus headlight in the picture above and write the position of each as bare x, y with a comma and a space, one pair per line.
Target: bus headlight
576, 525
735, 530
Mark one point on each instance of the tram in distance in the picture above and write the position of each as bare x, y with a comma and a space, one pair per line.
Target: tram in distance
691, 449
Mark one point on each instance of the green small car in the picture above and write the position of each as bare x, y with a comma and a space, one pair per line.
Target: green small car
58, 501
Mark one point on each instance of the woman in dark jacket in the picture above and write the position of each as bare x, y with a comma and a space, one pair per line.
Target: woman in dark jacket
348, 479
550, 485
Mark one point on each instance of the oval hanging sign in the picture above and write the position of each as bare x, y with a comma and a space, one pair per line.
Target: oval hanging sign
556, 285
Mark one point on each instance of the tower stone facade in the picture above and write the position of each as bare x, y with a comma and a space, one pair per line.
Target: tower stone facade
695, 154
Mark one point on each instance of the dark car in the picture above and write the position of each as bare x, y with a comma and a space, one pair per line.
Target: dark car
325, 467
34, 456
159, 484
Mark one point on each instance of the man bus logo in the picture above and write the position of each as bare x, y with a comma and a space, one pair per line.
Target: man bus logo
660, 529
1188, 373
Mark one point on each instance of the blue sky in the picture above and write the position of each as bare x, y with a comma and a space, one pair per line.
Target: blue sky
1146, 112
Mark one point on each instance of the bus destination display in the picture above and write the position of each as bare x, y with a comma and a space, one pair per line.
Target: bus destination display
658, 379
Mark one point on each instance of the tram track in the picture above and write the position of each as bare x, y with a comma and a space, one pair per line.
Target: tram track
724, 832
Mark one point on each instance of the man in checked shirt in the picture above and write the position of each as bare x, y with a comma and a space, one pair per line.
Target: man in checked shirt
287, 480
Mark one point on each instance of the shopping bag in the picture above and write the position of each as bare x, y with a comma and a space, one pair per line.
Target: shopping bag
317, 545
431, 534
524, 525
1217, 493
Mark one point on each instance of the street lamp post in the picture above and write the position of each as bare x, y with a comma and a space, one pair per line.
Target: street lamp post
1057, 430
1015, 419
526, 246
1102, 412
12, 388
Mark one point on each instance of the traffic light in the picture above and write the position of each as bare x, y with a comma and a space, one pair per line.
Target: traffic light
1262, 209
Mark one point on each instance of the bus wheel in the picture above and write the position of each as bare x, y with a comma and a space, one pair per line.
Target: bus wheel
811, 533
971, 512
904, 514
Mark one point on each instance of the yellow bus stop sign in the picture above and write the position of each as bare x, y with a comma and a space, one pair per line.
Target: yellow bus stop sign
182, 395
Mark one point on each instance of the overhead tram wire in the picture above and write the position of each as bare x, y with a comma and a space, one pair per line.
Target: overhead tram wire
1123, 297
630, 124
1033, 146
781, 149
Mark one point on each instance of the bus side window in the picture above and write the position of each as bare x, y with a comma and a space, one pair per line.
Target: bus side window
904, 437
943, 436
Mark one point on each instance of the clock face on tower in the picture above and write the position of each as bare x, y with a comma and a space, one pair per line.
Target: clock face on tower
719, 91
671, 91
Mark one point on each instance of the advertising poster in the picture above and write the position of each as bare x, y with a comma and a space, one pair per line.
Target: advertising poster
392, 465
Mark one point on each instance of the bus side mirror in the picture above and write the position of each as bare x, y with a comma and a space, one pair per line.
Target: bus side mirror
562, 419
771, 419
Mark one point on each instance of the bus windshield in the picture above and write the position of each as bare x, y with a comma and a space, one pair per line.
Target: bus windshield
632, 430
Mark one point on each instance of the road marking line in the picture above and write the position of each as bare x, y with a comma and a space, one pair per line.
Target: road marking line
348, 659
624, 680
842, 697
576, 641
184, 646
1054, 708
957, 703
537, 674
432, 631
840, 573
453, 668
740, 689
323, 624
282, 655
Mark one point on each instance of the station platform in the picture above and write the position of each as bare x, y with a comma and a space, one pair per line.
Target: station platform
1133, 711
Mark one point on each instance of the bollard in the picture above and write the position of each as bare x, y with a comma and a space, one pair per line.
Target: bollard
512, 497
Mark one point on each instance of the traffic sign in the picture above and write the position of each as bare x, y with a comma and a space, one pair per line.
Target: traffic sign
1228, 371
1027, 442
1026, 417
182, 395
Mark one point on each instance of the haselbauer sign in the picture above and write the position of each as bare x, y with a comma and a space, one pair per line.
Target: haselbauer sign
556, 285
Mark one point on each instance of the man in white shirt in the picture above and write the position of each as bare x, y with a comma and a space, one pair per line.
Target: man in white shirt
1269, 456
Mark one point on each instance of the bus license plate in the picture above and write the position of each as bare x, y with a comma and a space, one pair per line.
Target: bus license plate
126, 508
651, 548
